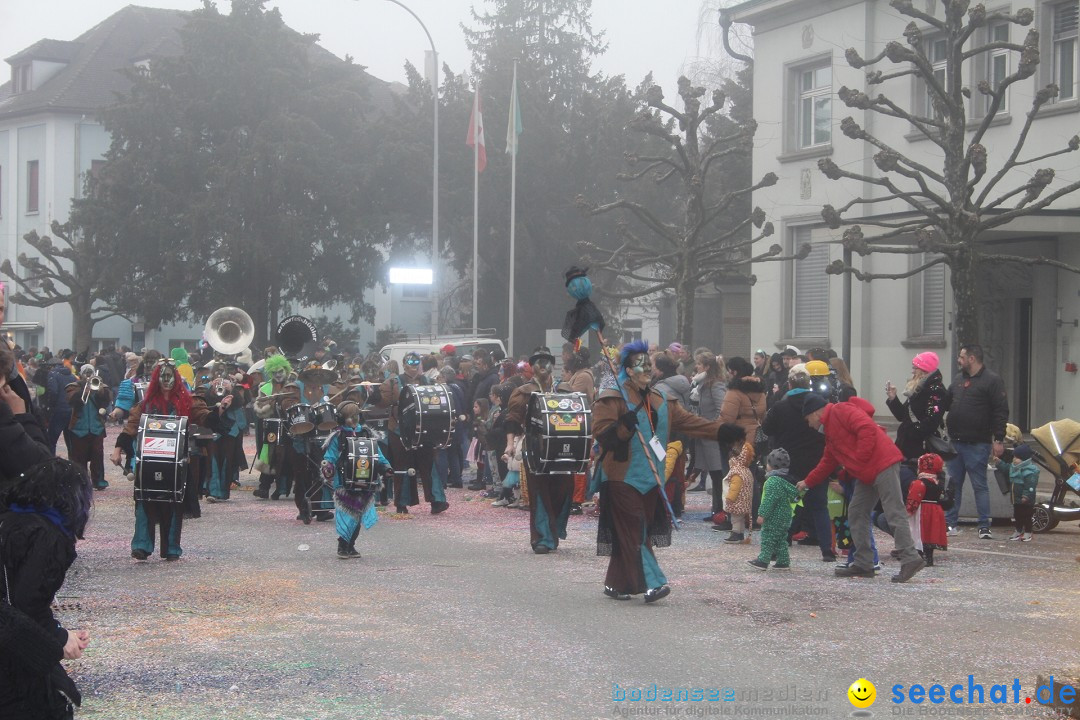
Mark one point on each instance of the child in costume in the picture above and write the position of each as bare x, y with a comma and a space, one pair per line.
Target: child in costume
926, 517
353, 496
775, 512
740, 485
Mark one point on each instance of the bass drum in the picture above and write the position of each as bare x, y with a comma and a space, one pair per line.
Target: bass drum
558, 433
359, 472
161, 458
426, 416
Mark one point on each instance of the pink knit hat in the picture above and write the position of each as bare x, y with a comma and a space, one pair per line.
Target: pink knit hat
927, 361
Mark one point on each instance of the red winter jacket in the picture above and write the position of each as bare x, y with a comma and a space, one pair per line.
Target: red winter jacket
854, 440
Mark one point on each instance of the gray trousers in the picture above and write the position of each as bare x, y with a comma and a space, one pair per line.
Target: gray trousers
886, 487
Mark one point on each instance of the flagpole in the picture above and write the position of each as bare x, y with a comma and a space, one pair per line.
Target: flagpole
476, 208
513, 209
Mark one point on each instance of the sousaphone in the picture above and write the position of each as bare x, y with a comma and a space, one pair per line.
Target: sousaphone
229, 330
297, 339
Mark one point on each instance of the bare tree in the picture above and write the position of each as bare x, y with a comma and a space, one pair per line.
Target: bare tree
74, 272
701, 160
954, 204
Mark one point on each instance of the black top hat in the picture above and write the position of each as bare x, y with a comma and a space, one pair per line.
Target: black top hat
575, 272
541, 352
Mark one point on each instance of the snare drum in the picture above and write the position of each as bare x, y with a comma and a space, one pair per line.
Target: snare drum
358, 459
274, 432
558, 433
426, 416
161, 458
324, 416
299, 421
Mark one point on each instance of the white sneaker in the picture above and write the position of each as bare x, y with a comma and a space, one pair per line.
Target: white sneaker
501, 502
1017, 536
1027, 537
953, 531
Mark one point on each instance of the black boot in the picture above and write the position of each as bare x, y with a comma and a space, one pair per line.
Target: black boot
345, 551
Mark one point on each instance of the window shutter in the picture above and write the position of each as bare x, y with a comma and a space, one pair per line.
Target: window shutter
810, 310
933, 300
1066, 17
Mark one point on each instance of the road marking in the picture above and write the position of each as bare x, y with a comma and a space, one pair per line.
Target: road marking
1005, 554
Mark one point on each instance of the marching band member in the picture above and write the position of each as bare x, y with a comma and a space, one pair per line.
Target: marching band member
632, 517
87, 426
272, 457
418, 459
166, 395
227, 451
549, 495
126, 396
305, 453
353, 507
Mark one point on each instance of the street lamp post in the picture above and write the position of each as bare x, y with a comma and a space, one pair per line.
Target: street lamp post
434, 172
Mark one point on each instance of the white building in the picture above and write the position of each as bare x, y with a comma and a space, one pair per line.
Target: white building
799, 65
50, 139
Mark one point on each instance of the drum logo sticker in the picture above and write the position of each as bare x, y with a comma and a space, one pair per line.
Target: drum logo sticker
566, 423
271, 438
564, 404
153, 425
159, 447
363, 468
576, 406
553, 404
170, 426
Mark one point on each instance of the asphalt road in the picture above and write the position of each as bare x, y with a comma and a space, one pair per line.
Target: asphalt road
453, 616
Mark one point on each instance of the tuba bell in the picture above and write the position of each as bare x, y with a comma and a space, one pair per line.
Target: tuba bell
297, 338
229, 330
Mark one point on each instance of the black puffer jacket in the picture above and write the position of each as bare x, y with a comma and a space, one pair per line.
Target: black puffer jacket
22, 443
36, 555
980, 408
920, 415
787, 428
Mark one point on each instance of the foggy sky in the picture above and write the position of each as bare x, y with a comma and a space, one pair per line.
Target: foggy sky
642, 35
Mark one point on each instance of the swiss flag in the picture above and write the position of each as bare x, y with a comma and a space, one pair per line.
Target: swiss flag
476, 133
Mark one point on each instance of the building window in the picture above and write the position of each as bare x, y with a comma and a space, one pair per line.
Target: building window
20, 78
937, 53
926, 290
1064, 17
1, 191
997, 66
32, 186
415, 292
809, 289
815, 106
95, 175
99, 344
189, 345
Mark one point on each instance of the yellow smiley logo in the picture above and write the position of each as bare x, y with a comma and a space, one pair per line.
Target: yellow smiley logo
862, 693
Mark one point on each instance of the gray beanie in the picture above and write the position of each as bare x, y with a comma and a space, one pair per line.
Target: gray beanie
779, 459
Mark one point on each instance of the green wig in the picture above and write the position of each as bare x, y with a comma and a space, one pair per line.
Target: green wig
275, 363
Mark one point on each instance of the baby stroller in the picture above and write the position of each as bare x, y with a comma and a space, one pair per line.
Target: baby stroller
1058, 450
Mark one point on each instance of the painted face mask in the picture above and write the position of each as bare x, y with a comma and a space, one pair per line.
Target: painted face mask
167, 378
278, 376
641, 365
544, 365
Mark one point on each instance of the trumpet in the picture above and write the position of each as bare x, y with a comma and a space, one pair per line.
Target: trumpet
93, 385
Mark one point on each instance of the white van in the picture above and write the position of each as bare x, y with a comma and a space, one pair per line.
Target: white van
462, 346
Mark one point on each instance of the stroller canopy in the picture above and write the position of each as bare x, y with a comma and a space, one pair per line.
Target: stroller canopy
1060, 438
